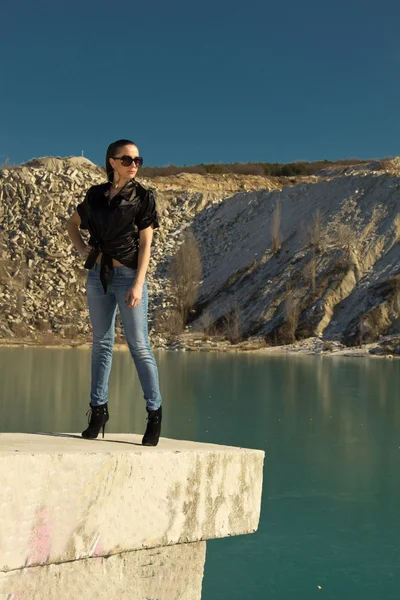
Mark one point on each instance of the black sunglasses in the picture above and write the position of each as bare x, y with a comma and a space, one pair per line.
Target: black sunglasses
126, 161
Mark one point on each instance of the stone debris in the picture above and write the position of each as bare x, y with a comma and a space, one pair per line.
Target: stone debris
334, 272
42, 280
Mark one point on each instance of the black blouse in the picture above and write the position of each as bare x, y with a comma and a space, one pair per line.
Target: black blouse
114, 224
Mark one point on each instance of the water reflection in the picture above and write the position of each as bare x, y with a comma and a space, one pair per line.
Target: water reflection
47, 389
329, 426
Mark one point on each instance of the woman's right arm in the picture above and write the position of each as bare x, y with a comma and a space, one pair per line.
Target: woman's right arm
73, 231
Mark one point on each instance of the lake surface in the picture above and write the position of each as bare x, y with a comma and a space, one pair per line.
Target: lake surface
330, 427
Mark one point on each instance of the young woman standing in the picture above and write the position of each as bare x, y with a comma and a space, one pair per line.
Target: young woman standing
120, 216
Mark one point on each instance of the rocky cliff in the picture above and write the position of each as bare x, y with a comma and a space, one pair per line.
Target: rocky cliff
285, 258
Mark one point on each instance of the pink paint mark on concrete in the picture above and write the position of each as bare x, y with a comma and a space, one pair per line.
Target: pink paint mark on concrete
98, 549
40, 541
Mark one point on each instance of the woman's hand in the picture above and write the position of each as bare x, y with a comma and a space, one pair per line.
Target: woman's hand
85, 250
133, 296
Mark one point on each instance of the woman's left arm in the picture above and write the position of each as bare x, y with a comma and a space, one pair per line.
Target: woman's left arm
134, 294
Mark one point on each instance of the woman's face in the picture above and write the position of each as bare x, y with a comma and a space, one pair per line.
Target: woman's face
125, 172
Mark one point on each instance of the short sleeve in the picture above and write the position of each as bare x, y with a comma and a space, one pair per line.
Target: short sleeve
147, 214
82, 210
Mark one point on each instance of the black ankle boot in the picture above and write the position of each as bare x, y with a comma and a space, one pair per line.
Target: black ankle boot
153, 428
98, 417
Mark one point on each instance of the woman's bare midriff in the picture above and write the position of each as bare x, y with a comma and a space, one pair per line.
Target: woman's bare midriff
116, 263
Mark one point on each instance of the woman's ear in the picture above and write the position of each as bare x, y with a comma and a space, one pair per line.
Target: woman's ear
112, 162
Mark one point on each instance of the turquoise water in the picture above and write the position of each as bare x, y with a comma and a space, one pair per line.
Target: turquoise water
330, 521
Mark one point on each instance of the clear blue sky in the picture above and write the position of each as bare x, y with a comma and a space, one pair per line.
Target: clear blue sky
208, 81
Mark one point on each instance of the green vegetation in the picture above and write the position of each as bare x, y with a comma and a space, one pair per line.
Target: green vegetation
294, 169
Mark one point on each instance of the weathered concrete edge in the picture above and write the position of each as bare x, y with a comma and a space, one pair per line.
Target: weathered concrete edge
168, 573
191, 496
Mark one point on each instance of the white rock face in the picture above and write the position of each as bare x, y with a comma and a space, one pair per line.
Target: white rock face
338, 285
67, 499
356, 256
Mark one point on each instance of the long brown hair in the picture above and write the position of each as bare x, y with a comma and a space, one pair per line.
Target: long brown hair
111, 152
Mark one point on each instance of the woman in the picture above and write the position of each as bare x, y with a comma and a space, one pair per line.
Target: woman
120, 216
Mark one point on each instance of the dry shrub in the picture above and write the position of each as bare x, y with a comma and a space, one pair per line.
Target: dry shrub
286, 333
342, 260
396, 229
14, 275
207, 323
280, 336
396, 303
13, 272
328, 346
394, 283
168, 321
373, 324
70, 331
276, 229
231, 325
48, 338
310, 271
315, 234
344, 236
361, 332
292, 313
340, 267
42, 325
20, 329
185, 273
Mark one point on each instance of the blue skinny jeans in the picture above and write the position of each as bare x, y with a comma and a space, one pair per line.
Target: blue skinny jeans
102, 311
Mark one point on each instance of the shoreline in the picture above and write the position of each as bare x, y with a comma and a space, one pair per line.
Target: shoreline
309, 347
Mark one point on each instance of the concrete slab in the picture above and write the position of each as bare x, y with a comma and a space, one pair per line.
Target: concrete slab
170, 573
63, 498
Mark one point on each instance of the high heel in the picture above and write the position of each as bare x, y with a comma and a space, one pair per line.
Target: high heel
98, 417
153, 428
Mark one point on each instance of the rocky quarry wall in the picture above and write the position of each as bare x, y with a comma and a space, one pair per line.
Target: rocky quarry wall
311, 256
